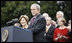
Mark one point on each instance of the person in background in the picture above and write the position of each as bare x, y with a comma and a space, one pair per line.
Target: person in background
49, 30
69, 26
69, 29
61, 33
69, 22
59, 14
54, 23
24, 21
45, 15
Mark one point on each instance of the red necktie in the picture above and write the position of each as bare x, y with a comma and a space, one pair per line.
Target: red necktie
32, 20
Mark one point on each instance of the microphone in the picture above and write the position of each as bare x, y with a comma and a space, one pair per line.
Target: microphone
13, 21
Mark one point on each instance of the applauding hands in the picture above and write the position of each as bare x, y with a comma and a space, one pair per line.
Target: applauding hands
60, 36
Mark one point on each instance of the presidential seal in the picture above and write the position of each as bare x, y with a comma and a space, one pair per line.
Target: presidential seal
4, 35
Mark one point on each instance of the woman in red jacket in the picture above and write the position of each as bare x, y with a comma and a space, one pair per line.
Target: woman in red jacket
61, 33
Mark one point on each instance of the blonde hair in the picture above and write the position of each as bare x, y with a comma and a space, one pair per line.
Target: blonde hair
24, 16
62, 19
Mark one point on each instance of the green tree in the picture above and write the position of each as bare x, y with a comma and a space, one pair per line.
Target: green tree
14, 9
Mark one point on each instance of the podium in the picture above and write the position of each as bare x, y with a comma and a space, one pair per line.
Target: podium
16, 34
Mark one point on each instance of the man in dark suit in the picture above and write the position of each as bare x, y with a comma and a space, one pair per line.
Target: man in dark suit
37, 24
49, 30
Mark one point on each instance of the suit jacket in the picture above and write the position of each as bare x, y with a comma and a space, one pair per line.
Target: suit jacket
49, 34
57, 26
37, 28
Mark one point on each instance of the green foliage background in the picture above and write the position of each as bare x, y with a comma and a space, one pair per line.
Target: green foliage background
13, 9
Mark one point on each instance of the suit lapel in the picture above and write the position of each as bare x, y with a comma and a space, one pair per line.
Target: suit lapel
36, 19
50, 29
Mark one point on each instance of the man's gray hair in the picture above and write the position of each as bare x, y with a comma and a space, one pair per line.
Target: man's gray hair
37, 6
60, 12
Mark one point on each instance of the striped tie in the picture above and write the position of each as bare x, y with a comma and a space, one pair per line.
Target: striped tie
47, 29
